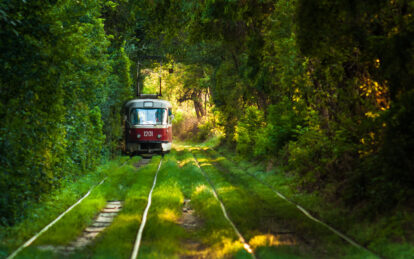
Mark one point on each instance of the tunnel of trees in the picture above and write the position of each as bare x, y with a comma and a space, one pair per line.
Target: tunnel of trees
322, 89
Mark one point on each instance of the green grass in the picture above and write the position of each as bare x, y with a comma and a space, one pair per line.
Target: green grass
257, 212
390, 235
50, 207
72, 224
179, 178
215, 232
118, 239
243, 195
163, 237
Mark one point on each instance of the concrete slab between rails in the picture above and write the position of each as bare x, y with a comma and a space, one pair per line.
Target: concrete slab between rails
102, 221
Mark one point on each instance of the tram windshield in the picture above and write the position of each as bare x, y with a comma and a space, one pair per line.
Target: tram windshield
145, 116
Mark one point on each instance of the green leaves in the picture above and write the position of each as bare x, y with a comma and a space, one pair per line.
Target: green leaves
56, 79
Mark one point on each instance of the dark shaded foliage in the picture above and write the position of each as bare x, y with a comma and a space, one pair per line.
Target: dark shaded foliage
54, 90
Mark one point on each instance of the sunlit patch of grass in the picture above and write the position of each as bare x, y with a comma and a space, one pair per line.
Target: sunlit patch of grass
227, 247
169, 215
227, 189
200, 188
269, 240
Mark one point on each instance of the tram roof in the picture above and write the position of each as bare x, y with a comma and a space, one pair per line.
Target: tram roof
148, 103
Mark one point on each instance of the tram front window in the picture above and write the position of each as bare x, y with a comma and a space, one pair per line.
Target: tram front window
155, 116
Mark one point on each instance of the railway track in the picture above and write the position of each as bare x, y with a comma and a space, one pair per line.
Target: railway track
246, 245
138, 239
106, 215
244, 231
307, 213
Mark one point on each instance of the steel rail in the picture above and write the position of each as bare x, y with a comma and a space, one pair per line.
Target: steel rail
246, 245
309, 215
144, 217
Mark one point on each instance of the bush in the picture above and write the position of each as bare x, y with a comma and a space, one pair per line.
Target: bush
246, 130
185, 126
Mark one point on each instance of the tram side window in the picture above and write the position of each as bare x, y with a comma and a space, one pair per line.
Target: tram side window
134, 117
170, 116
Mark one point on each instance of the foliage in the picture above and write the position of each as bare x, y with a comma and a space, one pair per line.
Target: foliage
56, 79
330, 80
246, 130
324, 87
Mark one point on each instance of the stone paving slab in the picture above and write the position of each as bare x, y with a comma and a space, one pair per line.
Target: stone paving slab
108, 214
100, 224
114, 203
115, 206
94, 229
109, 210
103, 220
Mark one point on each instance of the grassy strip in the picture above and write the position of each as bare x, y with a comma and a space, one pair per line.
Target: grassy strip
118, 239
161, 237
73, 223
389, 235
164, 237
50, 207
215, 232
252, 205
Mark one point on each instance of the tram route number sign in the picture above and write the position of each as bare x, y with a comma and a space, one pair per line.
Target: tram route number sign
148, 133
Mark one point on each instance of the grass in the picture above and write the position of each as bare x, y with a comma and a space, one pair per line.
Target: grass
242, 195
50, 207
215, 232
73, 223
163, 237
390, 235
118, 239
259, 214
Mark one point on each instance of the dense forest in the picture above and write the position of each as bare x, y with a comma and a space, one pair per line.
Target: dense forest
322, 89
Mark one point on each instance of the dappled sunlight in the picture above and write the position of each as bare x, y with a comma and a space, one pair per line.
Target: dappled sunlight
271, 240
203, 160
205, 164
224, 246
228, 246
168, 215
170, 194
200, 188
248, 248
185, 162
226, 189
125, 219
218, 159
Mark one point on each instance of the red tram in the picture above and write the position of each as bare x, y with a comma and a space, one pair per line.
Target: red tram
148, 125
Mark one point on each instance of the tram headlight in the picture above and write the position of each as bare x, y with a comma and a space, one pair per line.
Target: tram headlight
138, 135
159, 136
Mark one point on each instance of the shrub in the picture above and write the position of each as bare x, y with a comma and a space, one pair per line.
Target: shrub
246, 130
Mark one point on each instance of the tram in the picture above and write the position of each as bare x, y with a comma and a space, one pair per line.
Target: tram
148, 125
